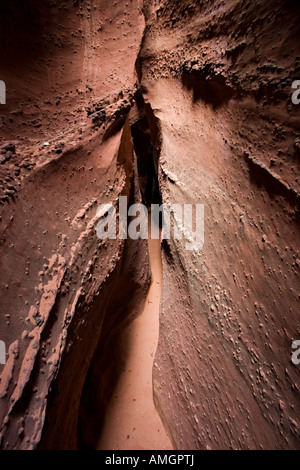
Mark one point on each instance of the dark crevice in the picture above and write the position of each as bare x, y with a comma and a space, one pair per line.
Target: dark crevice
130, 290
128, 293
147, 155
214, 92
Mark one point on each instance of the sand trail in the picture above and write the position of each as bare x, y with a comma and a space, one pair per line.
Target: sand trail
131, 420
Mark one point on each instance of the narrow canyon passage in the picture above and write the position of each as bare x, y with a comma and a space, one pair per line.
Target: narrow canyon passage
131, 421
190, 105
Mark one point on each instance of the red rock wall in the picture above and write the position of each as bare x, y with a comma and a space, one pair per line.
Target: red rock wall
70, 75
216, 79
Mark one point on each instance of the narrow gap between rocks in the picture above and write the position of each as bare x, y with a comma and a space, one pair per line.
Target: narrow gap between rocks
131, 421
147, 155
118, 411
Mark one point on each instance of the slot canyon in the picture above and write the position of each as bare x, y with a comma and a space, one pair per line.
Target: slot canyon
131, 344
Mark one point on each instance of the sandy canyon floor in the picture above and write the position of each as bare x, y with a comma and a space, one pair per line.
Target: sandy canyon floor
131, 420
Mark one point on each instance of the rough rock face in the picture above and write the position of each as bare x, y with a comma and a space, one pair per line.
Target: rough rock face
70, 75
212, 94
218, 78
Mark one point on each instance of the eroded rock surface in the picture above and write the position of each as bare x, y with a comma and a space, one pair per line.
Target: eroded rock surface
218, 78
58, 164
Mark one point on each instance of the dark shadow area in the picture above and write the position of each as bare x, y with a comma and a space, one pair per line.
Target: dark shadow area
22, 23
261, 177
114, 128
214, 92
110, 359
147, 159
28, 28
128, 295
